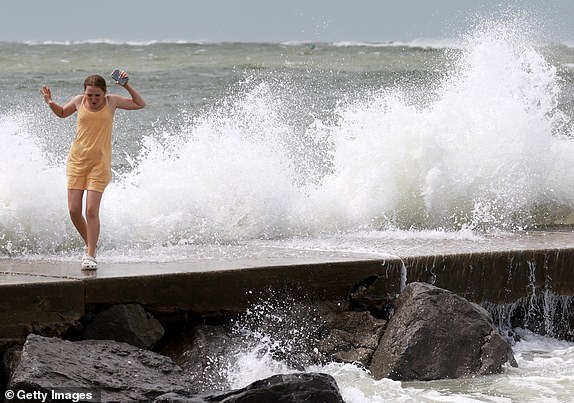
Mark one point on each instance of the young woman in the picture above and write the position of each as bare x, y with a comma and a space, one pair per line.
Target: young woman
89, 161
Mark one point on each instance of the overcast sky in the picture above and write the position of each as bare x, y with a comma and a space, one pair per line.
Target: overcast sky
265, 20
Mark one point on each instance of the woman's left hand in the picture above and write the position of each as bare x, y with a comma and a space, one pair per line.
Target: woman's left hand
124, 76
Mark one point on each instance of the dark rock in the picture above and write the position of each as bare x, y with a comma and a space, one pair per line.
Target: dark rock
436, 334
351, 336
177, 398
125, 323
495, 352
204, 354
120, 371
301, 387
116, 371
290, 388
10, 360
373, 295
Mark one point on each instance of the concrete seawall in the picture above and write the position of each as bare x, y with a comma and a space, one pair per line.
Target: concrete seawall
47, 297
498, 277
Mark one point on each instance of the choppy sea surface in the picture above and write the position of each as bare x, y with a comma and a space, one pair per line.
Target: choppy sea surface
273, 142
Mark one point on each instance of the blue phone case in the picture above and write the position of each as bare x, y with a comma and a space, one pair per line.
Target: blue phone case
116, 76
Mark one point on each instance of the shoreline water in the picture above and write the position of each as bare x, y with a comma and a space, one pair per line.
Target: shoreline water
416, 43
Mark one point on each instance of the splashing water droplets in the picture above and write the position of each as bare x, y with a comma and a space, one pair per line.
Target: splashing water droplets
482, 153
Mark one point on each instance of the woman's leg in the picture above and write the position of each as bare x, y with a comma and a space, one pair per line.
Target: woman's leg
75, 197
93, 200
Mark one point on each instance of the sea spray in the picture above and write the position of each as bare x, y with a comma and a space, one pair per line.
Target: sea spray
228, 178
275, 335
483, 155
32, 210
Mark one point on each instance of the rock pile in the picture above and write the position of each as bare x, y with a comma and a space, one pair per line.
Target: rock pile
115, 371
428, 333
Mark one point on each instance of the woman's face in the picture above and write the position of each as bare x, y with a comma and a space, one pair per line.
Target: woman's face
96, 97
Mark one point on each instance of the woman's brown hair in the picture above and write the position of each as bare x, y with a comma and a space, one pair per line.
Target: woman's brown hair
95, 81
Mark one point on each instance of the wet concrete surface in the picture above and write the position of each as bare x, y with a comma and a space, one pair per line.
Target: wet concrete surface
48, 293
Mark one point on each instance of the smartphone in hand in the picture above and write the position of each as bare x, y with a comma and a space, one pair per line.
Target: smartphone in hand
116, 76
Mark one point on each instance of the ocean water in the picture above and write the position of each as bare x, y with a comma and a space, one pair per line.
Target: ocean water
245, 142
273, 142
544, 374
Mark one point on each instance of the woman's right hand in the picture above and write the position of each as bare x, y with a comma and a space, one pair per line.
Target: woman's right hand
46, 93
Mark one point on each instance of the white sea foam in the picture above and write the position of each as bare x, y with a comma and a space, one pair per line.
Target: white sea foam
544, 373
415, 44
267, 334
115, 42
32, 195
228, 178
488, 152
